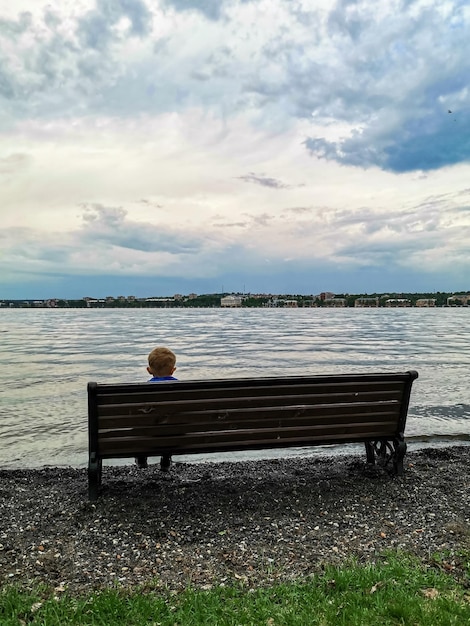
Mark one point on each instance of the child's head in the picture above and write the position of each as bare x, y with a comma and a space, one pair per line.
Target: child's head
161, 362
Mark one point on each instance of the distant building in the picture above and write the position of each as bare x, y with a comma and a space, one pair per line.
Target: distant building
426, 302
231, 301
335, 302
326, 295
397, 302
291, 304
272, 303
366, 302
458, 300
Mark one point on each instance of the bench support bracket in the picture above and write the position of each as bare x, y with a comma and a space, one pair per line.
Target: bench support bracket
387, 451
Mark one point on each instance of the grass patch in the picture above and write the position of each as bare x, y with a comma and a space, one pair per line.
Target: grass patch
396, 591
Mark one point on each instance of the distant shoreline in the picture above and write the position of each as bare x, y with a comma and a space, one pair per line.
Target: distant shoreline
259, 300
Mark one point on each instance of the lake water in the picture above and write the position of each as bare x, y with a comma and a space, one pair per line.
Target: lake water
47, 357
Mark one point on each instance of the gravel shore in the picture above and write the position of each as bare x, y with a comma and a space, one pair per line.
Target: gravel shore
251, 522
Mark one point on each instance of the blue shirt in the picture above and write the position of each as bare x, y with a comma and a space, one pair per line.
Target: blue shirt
160, 379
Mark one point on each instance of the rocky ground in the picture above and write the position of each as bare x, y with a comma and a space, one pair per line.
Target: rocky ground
252, 522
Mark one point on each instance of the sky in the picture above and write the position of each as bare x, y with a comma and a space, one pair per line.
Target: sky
154, 147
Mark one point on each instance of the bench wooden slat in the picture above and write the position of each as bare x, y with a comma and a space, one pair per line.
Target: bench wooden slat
234, 440
183, 414
260, 418
194, 406
141, 394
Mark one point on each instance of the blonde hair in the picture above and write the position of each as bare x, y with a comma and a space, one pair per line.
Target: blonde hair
161, 361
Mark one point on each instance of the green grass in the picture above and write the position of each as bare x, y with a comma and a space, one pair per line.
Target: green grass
396, 591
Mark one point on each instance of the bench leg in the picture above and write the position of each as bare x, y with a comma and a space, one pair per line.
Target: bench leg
399, 455
370, 452
94, 476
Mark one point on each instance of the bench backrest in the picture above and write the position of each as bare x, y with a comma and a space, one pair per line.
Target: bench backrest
182, 417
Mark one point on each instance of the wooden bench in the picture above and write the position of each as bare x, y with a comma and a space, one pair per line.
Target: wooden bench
189, 417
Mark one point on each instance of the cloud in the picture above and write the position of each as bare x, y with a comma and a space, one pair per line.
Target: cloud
108, 240
407, 66
54, 60
439, 146
374, 83
263, 180
231, 225
111, 226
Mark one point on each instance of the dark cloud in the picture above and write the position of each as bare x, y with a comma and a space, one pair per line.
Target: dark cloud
447, 145
231, 225
95, 32
111, 226
379, 254
211, 9
265, 181
95, 29
29, 249
414, 148
263, 220
106, 237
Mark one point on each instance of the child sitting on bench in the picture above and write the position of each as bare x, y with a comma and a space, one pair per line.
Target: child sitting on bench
161, 366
